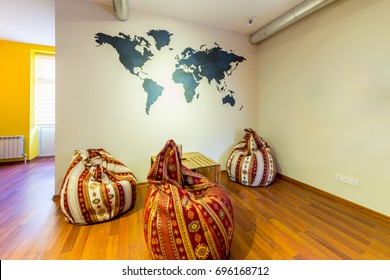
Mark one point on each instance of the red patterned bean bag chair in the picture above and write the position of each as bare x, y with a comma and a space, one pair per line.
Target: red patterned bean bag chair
251, 162
186, 216
96, 188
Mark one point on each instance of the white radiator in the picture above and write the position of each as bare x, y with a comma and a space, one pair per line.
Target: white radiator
12, 147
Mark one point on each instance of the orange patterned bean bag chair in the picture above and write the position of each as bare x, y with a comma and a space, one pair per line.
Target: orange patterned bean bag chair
186, 216
96, 188
251, 162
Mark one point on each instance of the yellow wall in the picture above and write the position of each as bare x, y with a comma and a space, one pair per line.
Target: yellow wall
16, 93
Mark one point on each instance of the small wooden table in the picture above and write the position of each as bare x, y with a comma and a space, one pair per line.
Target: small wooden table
201, 164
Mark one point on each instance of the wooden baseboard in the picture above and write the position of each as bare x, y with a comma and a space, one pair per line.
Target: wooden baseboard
335, 197
12, 161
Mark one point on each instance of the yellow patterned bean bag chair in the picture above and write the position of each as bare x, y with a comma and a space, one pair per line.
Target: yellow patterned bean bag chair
96, 188
186, 216
251, 162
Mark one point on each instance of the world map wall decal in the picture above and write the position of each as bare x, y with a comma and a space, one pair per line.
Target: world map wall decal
211, 64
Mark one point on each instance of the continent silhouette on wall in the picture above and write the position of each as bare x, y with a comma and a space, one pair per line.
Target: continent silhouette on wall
211, 64
192, 66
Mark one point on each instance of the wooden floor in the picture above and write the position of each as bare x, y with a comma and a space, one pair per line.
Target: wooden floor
284, 221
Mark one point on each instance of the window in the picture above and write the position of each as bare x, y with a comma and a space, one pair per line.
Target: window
44, 89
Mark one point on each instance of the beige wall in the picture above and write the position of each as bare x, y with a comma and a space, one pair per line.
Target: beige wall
324, 100
319, 96
100, 104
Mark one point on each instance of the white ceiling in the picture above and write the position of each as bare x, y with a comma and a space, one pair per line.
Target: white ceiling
33, 21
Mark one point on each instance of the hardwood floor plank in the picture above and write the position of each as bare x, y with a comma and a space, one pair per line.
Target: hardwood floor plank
58, 241
323, 240
112, 247
284, 221
71, 240
265, 241
78, 244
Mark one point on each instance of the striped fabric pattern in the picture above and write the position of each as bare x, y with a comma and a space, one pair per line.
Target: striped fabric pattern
251, 162
96, 188
186, 216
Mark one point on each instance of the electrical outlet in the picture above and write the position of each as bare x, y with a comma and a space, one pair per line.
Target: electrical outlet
355, 182
347, 180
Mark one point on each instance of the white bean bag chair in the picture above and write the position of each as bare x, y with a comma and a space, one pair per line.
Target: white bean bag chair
96, 188
251, 162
